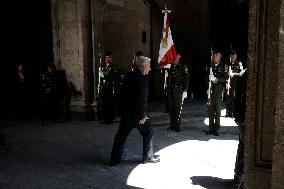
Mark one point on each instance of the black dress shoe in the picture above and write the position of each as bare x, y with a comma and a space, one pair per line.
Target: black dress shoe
156, 156
209, 133
170, 129
153, 160
216, 133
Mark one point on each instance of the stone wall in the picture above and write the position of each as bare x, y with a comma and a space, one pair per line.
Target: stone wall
263, 124
124, 22
73, 48
278, 150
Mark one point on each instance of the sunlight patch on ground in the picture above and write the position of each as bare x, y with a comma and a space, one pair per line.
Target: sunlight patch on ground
181, 161
223, 121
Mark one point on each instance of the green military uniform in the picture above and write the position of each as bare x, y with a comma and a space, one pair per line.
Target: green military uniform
108, 92
178, 83
214, 107
235, 68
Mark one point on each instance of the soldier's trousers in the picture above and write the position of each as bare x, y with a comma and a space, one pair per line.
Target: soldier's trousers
231, 98
109, 106
175, 107
125, 127
214, 109
49, 109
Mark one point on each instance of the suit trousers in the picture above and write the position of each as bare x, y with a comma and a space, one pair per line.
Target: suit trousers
125, 127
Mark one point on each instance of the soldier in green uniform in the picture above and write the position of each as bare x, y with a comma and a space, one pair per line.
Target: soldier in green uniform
178, 85
48, 95
235, 68
217, 78
109, 89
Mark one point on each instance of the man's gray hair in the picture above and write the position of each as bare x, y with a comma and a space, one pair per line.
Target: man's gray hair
140, 60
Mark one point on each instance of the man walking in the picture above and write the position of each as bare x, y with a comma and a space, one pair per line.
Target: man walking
134, 97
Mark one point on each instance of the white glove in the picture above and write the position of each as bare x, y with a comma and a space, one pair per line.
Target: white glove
212, 78
184, 95
208, 92
232, 74
101, 73
242, 72
167, 66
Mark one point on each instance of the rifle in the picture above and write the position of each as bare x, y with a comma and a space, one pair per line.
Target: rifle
166, 75
228, 86
165, 79
100, 55
209, 91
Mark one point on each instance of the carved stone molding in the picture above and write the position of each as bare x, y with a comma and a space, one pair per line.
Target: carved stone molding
261, 85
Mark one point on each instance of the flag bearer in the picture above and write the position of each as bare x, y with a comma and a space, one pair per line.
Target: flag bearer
178, 85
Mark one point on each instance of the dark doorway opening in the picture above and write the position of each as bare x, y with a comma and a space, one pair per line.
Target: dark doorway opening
229, 27
28, 41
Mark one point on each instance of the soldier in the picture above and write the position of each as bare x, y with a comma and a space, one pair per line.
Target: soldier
178, 84
48, 95
235, 68
135, 57
109, 89
217, 79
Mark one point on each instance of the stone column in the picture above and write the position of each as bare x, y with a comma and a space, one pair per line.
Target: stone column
264, 128
73, 50
278, 151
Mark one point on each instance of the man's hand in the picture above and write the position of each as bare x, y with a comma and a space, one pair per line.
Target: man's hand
212, 78
242, 72
184, 95
142, 121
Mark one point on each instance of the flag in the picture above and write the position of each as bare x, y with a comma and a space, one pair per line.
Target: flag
167, 52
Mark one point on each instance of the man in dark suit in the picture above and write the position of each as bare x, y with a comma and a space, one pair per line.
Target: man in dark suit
134, 97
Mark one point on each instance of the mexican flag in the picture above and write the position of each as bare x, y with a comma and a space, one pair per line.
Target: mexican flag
167, 52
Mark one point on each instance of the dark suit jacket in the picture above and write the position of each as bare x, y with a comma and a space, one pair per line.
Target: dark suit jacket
134, 95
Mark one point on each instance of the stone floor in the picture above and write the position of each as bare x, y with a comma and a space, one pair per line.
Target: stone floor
76, 154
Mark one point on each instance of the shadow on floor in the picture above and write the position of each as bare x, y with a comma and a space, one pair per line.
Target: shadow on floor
213, 182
